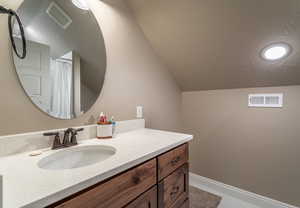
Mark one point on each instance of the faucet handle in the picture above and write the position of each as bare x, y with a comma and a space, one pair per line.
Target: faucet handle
56, 143
77, 130
51, 134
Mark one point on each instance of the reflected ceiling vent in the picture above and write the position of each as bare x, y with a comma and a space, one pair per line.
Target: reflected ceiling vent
265, 100
58, 15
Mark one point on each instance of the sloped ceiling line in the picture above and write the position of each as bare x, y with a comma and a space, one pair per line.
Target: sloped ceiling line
212, 44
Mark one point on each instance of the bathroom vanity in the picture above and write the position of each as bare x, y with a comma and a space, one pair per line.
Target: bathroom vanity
138, 168
158, 182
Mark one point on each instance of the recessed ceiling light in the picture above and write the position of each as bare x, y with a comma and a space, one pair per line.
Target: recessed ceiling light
276, 51
81, 4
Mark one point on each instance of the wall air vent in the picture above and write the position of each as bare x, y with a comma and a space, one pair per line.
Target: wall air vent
58, 15
266, 100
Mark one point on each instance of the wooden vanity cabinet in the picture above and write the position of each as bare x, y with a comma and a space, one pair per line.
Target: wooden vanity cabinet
186, 204
161, 182
170, 161
173, 176
116, 192
174, 189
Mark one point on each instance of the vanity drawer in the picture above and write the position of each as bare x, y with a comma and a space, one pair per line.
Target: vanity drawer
147, 200
172, 160
173, 190
116, 192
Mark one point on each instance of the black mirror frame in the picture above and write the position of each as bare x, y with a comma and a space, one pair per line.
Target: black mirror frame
12, 14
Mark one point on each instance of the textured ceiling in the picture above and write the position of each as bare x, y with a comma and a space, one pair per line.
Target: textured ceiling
213, 44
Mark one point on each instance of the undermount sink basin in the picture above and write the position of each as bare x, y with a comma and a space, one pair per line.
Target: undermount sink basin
76, 157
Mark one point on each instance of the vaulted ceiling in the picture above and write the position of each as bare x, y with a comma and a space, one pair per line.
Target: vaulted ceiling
216, 44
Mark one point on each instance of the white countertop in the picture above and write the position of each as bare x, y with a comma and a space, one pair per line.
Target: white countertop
26, 185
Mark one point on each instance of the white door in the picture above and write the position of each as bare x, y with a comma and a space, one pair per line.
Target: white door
34, 73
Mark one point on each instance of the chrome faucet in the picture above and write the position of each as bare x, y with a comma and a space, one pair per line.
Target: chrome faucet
67, 141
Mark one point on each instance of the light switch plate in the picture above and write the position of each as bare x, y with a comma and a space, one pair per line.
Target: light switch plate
139, 111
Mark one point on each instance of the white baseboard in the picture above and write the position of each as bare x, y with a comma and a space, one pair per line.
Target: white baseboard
255, 199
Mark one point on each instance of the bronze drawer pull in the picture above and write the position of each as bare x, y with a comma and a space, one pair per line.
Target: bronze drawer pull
176, 160
175, 190
136, 179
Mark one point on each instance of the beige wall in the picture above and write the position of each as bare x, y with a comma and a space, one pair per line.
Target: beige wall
135, 76
256, 149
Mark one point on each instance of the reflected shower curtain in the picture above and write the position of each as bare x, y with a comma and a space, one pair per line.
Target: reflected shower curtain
61, 103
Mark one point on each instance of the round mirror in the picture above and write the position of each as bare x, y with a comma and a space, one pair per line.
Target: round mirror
63, 72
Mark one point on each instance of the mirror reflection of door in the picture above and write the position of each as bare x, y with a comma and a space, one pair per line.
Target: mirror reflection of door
52, 85
34, 73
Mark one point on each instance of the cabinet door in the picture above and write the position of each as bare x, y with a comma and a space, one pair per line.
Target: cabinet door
186, 204
173, 190
147, 200
116, 192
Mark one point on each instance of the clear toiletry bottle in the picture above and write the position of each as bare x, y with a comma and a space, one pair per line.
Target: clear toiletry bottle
113, 122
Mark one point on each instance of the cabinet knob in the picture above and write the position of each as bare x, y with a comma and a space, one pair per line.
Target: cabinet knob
175, 160
174, 191
136, 179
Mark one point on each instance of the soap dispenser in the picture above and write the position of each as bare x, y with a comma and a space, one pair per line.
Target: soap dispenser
104, 128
